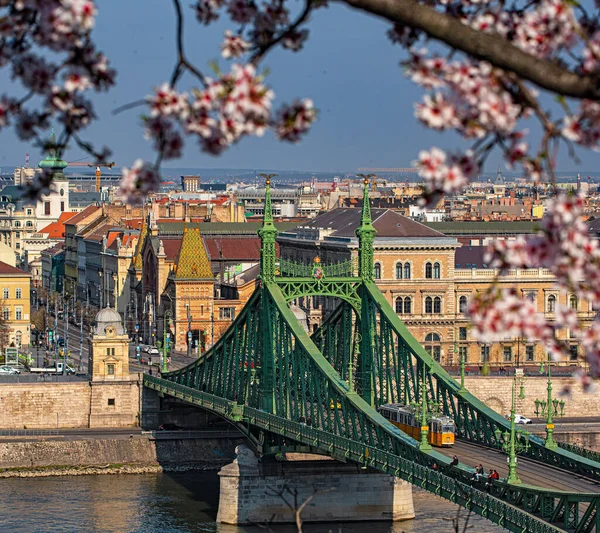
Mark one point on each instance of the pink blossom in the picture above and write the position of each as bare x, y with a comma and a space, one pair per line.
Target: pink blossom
295, 120
139, 181
166, 101
233, 46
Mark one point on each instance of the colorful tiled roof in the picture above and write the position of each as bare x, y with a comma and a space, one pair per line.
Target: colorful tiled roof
192, 262
56, 230
137, 258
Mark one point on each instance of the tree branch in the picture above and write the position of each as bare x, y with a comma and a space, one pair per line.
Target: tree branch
484, 46
182, 60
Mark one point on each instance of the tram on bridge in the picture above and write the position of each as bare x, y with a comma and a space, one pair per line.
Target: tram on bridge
404, 417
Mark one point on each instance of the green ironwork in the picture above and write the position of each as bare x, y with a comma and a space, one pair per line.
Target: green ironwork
424, 445
513, 443
366, 235
550, 409
268, 233
344, 269
166, 319
267, 375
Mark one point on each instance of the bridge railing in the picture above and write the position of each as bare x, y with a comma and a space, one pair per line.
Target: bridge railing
299, 270
580, 450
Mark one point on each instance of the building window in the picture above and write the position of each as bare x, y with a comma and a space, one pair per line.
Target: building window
110, 369
398, 270
462, 334
462, 304
399, 303
18, 293
485, 353
573, 302
531, 296
46, 208
437, 305
18, 246
18, 338
508, 354
428, 270
29, 224
29, 211
111, 401
62, 206
432, 346
463, 354
436, 271
406, 270
227, 313
551, 303
573, 352
429, 304
377, 271
110, 351
530, 352
5, 293
18, 313
407, 305
6, 313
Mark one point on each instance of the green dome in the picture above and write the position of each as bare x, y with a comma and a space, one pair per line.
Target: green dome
51, 161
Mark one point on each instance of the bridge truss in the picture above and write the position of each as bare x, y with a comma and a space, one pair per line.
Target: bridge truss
268, 376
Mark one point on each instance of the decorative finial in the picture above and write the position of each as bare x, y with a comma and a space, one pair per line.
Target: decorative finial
267, 233
317, 259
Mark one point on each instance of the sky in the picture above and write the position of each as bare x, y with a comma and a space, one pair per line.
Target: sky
348, 67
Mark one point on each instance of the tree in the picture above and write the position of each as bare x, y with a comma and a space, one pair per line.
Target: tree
488, 61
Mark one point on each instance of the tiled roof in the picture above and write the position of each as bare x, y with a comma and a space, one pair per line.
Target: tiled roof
470, 257
172, 247
233, 248
100, 232
192, 262
7, 270
344, 221
80, 217
54, 250
56, 230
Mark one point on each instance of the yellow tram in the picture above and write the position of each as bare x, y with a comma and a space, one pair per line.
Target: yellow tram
441, 428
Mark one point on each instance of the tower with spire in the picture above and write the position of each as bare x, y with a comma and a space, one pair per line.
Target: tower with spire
366, 235
267, 233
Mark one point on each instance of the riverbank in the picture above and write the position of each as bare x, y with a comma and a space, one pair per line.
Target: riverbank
110, 469
136, 455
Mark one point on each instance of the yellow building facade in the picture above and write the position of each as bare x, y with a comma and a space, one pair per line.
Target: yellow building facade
429, 279
14, 290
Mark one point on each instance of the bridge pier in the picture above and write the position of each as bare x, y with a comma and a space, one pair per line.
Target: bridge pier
253, 491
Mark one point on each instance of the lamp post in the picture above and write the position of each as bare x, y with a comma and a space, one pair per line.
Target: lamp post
512, 442
167, 316
550, 407
462, 369
424, 445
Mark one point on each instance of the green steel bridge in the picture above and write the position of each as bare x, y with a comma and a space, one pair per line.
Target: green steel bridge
267, 376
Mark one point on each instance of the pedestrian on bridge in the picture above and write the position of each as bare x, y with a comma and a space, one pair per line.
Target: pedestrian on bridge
454, 461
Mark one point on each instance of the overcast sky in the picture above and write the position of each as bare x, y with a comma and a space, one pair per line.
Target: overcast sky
349, 68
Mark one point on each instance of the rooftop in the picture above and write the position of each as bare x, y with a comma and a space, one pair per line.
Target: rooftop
8, 270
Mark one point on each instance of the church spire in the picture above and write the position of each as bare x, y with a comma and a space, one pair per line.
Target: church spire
366, 234
267, 233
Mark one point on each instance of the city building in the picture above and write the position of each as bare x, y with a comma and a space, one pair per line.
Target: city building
15, 286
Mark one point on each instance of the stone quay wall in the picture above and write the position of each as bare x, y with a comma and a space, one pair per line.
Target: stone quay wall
172, 453
75, 404
495, 392
253, 492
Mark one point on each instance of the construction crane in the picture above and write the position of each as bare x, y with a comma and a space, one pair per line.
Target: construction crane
97, 165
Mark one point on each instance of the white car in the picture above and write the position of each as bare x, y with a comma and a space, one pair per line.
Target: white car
9, 370
520, 419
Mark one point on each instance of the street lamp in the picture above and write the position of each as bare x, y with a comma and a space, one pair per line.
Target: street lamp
167, 316
424, 445
550, 408
513, 442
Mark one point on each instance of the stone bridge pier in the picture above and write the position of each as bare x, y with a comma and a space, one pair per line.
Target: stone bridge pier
254, 492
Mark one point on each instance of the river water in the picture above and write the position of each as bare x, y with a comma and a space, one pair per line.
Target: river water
171, 503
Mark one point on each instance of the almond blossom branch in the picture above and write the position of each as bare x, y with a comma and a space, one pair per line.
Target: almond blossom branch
490, 47
263, 49
182, 61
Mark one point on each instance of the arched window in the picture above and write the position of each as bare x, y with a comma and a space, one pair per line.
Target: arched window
377, 271
398, 270
437, 305
29, 224
407, 270
531, 296
432, 345
429, 305
551, 303
399, 305
18, 338
436, 271
428, 270
462, 304
573, 302
407, 306
17, 224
